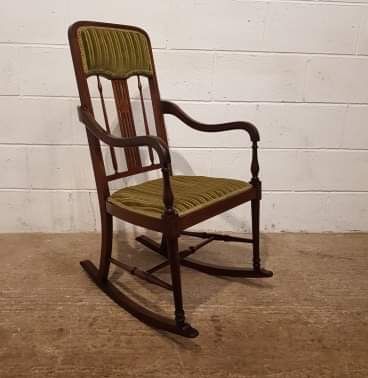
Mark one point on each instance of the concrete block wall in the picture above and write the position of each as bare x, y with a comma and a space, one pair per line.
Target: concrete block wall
297, 69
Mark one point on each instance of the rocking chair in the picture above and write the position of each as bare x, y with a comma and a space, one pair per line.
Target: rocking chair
168, 205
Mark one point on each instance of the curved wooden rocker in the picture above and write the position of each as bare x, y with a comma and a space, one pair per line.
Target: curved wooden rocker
170, 205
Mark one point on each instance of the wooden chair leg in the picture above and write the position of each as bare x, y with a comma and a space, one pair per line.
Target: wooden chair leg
100, 277
106, 245
218, 270
255, 204
174, 258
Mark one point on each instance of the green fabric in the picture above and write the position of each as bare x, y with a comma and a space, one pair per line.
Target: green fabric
116, 53
190, 193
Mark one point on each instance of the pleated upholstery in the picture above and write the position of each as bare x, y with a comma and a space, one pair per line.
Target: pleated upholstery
113, 52
191, 193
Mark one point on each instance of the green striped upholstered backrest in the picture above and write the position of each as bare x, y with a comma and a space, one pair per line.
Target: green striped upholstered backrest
114, 52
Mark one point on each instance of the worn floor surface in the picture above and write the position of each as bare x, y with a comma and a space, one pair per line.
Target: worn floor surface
309, 320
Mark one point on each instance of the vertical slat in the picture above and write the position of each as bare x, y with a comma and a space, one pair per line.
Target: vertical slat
126, 123
145, 117
112, 151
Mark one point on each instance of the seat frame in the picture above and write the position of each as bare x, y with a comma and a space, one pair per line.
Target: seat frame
171, 225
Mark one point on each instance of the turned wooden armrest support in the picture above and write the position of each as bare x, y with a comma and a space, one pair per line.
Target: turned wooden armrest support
168, 107
138, 141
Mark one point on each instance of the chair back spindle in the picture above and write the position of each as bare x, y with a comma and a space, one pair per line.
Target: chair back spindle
145, 117
107, 125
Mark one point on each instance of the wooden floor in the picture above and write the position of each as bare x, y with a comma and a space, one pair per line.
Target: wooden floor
309, 320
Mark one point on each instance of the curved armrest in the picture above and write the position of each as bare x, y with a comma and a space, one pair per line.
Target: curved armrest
168, 107
152, 141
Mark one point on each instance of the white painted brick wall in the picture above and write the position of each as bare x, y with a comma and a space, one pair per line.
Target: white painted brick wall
298, 69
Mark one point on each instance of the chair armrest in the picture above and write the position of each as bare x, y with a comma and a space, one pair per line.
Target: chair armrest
152, 141
168, 107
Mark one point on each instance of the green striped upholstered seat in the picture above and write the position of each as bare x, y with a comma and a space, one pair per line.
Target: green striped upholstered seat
190, 192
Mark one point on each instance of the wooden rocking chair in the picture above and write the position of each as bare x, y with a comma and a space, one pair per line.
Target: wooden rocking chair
168, 205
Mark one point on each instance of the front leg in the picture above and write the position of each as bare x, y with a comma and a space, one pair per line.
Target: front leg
255, 234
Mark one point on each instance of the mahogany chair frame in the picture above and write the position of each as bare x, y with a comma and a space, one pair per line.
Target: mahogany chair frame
171, 226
